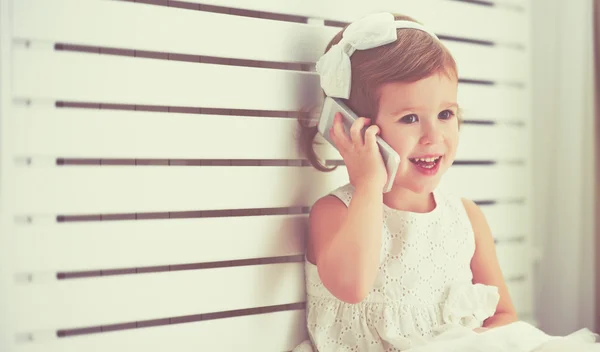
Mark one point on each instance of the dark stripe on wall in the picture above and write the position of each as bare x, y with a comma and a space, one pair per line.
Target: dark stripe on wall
234, 162
477, 2
219, 213
184, 214
191, 162
179, 267
306, 66
224, 10
183, 109
465, 40
178, 320
226, 112
477, 81
473, 162
479, 122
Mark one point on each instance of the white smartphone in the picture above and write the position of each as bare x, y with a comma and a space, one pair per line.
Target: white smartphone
331, 106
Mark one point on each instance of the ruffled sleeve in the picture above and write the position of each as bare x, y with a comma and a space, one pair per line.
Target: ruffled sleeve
470, 304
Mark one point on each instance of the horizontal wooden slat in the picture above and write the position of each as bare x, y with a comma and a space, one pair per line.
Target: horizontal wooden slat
58, 75
280, 41
520, 292
280, 331
130, 244
514, 259
116, 189
492, 142
131, 298
507, 221
135, 27
87, 133
498, 182
483, 22
109, 189
109, 245
72, 76
499, 64
496, 103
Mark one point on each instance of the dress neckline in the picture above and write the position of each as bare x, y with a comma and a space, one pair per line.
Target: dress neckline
436, 199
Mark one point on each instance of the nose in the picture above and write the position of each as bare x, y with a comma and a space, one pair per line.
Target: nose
430, 133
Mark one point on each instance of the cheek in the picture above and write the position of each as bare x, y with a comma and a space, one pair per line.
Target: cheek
451, 146
401, 141
404, 147
452, 139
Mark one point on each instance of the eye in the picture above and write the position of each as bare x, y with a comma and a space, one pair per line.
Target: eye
408, 119
446, 114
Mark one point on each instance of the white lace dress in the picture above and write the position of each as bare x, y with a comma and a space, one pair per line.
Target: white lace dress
424, 285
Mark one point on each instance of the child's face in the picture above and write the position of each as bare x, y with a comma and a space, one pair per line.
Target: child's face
419, 121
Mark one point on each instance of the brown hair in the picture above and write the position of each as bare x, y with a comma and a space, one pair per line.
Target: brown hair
413, 56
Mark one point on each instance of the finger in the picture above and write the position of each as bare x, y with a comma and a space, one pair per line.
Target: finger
356, 131
340, 132
371, 136
338, 135
334, 139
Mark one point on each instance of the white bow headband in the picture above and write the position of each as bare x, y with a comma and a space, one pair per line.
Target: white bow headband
366, 33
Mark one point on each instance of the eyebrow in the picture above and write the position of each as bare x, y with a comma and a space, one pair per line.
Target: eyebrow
450, 104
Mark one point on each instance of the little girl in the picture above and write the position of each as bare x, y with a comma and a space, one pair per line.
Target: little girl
391, 271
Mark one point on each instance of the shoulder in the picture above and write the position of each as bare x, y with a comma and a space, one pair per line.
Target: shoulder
472, 209
343, 193
325, 218
336, 201
325, 204
476, 217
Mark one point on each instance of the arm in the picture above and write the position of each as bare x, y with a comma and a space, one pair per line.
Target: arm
486, 269
344, 242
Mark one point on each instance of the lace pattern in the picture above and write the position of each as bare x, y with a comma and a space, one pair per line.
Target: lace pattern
423, 284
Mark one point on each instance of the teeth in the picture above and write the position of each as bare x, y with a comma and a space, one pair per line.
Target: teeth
428, 160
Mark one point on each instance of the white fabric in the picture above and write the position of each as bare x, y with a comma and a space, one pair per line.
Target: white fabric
368, 32
515, 337
423, 299
424, 285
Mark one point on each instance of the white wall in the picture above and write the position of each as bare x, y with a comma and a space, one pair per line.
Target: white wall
563, 163
131, 95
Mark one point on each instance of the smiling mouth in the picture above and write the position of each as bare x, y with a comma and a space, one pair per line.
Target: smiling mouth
426, 163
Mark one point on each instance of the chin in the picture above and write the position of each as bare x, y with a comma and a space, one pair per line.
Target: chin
423, 189
419, 188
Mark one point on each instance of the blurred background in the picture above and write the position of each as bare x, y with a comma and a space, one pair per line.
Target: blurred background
152, 191
565, 144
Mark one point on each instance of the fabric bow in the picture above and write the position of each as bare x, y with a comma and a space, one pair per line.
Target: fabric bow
366, 33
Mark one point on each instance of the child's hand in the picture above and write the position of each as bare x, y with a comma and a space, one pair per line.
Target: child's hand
480, 330
362, 157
